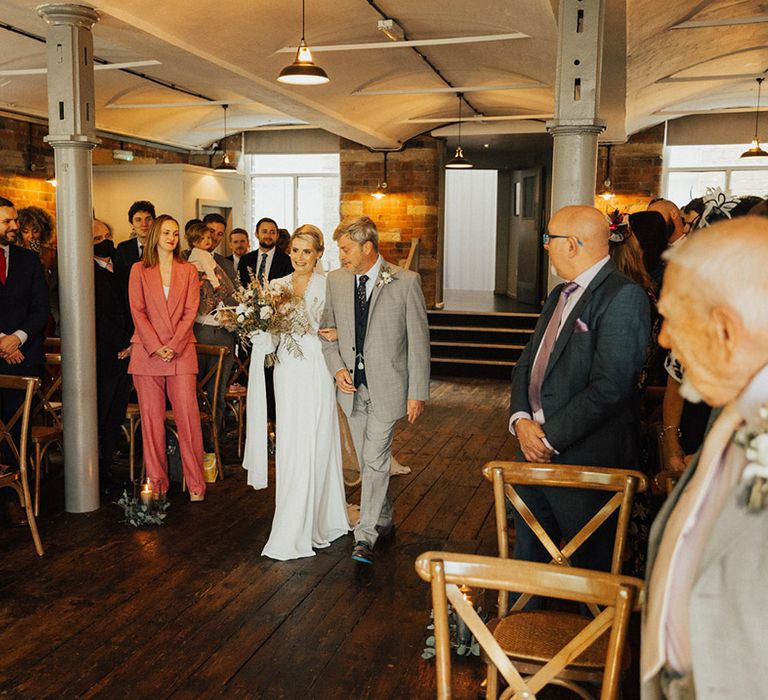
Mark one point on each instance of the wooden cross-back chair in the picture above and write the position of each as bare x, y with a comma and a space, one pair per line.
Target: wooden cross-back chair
585, 643
505, 476
47, 428
15, 475
208, 404
236, 395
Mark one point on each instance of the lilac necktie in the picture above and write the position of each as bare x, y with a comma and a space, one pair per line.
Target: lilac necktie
545, 348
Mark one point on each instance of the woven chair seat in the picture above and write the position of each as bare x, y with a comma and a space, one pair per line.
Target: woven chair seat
44, 433
539, 634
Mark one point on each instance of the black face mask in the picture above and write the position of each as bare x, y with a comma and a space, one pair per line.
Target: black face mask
104, 249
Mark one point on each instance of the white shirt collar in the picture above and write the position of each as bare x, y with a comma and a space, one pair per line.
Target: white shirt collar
373, 273
270, 253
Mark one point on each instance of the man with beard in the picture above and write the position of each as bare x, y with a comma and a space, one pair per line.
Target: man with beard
704, 620
217, 227
265, 262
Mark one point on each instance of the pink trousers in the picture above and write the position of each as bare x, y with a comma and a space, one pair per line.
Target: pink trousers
182, 393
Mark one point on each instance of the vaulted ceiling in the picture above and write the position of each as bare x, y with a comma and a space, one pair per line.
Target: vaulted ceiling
662, 60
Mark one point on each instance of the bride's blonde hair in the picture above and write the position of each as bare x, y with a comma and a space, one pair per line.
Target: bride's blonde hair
308, 232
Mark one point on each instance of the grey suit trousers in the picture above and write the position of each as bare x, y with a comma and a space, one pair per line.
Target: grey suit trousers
373, 444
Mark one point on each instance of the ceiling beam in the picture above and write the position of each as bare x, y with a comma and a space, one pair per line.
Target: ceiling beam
707, 78
481, 118
469, 88
725, 22
96, 67
410, 43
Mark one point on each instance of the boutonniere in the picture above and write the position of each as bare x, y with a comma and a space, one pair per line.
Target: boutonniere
754, 478
386, 277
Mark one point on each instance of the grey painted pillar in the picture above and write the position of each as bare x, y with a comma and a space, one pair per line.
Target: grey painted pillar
576, 125
71, 122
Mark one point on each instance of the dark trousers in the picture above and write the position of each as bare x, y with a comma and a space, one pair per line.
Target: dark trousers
562, 513
113, 392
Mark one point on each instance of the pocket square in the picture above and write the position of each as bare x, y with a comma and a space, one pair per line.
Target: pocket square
580, 326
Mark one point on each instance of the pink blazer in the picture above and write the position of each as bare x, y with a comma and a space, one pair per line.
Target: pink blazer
161, 323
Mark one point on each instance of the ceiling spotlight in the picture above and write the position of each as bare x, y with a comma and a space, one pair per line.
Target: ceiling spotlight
459, 161
391, 29
755, 149
303, 70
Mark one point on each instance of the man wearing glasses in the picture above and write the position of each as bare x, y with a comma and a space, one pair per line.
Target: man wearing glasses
574, 389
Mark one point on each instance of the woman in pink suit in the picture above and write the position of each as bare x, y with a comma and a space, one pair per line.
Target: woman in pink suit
164, 294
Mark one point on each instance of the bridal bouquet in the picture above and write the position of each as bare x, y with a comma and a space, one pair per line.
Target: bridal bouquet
266, 309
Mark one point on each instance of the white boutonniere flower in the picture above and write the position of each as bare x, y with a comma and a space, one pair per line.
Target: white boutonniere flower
386, 277
754, 478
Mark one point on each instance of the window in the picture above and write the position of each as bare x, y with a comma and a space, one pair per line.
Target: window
690, 170
297, 189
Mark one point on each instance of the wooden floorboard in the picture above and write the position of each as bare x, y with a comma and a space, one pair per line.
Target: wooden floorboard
191, 609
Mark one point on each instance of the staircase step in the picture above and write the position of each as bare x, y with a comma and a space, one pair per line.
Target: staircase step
491, 346
490, 363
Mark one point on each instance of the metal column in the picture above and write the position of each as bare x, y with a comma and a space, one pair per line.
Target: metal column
576, 125
71, 122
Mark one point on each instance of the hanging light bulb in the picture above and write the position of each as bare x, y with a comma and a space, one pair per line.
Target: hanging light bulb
381, 189
607, 192
755, 150
226, 164
303, 70
459, 161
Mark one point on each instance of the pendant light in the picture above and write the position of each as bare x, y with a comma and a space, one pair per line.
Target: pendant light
459, 161
607, 192
755, 150
381, 189
303, 70
226, 165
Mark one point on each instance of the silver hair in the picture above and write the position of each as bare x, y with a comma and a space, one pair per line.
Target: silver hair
728, 263
360, 230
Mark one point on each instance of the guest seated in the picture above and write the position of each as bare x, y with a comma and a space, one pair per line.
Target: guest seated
704, 626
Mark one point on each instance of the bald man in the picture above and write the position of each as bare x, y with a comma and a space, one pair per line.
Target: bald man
673, 217
574, 389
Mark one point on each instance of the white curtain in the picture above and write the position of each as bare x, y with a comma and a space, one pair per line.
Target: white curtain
470, 229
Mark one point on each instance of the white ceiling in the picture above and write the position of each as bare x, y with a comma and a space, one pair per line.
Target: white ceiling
230, 51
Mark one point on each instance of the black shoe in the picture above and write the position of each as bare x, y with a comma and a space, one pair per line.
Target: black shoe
386, 531
362, 553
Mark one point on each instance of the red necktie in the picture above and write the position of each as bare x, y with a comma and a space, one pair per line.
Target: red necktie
3, 265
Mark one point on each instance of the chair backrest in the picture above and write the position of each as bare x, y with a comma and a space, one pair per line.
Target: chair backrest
28, 385
618, 595
47, 394
210, 402
239, 371
624, 483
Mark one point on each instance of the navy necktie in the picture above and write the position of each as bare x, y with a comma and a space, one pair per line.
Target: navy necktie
262, 267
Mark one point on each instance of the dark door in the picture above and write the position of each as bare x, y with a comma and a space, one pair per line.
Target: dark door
525, 234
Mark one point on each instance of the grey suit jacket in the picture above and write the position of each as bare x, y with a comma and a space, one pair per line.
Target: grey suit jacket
396, 341
227, 265
728, 608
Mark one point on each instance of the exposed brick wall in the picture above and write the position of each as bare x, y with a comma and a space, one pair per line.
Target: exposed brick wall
635, 169
411, 207
26, 161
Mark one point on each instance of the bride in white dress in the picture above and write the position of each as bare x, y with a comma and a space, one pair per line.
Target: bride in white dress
310, 507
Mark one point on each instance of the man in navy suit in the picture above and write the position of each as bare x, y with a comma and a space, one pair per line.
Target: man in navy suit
574, 389
24, 310
266, 261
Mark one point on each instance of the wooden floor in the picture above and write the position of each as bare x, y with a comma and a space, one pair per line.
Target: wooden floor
191, 609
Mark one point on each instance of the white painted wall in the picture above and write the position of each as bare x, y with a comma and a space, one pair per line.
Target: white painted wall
470, 229
173, 188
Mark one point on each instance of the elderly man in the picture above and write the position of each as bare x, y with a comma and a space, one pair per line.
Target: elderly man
574, 389
705, 617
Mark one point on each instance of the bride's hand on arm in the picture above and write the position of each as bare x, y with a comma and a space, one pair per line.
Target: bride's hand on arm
344, 382
329, 334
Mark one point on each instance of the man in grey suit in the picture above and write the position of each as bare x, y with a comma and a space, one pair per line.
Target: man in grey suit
705, 617
379, 355
574, 389
217, 226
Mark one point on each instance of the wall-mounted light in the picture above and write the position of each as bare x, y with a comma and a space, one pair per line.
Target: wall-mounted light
459, 161
303, 70
381, 188
755, 150
51, 180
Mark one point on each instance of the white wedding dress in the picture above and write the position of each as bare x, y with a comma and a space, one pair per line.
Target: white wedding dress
310, 503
